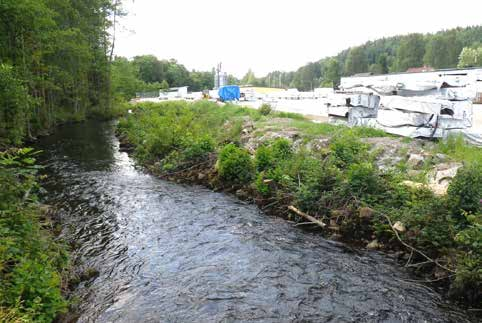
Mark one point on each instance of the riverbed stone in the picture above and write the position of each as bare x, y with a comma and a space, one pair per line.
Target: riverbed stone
373, 245
399, 226
415, 161
441, 175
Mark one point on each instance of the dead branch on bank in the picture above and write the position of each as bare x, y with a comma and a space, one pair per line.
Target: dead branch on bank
306, 216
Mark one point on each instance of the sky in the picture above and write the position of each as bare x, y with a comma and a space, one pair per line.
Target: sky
268, 35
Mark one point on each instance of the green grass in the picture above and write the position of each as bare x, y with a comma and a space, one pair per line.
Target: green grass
456, 147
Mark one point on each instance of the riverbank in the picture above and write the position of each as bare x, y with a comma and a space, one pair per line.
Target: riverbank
367, 188
35, 271
33, 263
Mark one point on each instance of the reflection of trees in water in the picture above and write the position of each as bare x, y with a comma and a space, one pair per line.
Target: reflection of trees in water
91, 144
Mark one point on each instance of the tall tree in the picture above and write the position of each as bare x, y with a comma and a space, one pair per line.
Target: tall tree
332, 72
356, 61
411, 52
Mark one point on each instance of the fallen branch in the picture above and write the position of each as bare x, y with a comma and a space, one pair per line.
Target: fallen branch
306, 216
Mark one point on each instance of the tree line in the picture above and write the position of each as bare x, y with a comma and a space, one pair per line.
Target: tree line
54, 63
459, 47
147, 73
387, 55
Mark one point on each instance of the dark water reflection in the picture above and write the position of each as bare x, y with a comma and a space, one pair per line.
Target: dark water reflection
171, 253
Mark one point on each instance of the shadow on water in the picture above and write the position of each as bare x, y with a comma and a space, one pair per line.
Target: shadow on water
173, 253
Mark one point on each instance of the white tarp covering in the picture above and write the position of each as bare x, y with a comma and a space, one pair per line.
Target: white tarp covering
365, 100
412, 104
431, 105
407, 83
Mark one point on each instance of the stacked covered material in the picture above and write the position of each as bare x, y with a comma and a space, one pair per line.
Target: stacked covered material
431, 108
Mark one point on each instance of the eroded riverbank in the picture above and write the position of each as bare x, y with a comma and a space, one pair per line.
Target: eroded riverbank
168, 252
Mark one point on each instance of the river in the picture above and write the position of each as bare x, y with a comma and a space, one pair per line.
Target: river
172, 253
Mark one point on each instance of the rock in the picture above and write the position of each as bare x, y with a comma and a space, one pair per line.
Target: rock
399, 226
441, 176
440, 158
413, 184
241, 194
415, 161
374, 245
318, 144
365, 213
201, 176
46, 210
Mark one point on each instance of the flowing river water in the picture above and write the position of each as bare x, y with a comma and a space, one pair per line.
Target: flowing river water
173, 253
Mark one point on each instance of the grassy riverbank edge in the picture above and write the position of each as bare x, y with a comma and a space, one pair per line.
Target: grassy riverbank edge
436, 237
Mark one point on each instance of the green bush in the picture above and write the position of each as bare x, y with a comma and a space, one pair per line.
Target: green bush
281, 148
363, 179
268, 156
347, 149
465, 190
262, 187
320, 188
30, 261
469, 269
265, 109
198, 148
264, 158
235, 164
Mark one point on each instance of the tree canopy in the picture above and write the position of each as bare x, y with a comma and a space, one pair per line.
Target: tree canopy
57, 54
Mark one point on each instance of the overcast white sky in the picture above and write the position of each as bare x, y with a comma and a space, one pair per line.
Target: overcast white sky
267, 35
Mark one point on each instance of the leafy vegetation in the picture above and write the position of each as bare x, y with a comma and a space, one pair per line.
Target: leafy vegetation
235, 164
337, 183
265, 109
31, 262
147, 73
55, 60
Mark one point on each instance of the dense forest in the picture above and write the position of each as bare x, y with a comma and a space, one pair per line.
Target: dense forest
54, 63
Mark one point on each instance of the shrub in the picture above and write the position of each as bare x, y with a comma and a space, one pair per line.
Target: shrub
465, 190
264, 158
267, 157
198, 148
235, 164
347, 149
281, 148
469, 272
321, 188
262, 187
30, 260
265, 109
362, 179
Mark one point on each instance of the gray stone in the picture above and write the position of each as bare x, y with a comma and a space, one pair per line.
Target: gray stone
415, 160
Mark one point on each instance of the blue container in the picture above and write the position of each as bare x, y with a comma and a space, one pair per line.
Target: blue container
229, 93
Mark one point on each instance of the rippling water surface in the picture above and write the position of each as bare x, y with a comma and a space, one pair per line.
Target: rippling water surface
173, 253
